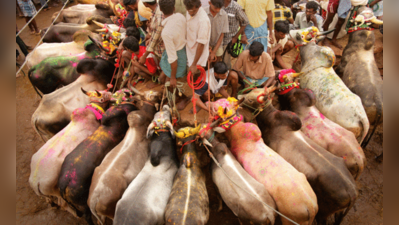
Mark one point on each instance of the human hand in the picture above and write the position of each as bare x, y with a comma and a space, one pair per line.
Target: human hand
244, 39
193, 69
173, 83
234, 40
212, 57
271, 37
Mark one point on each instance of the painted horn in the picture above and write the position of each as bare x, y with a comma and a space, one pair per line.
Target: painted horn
359, 19
271, 89
325, 32
98, 23
101, 30
297, 74
179, 134
376, 21
98, 93
84, 92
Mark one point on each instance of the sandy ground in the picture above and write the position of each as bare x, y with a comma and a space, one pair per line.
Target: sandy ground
31, 209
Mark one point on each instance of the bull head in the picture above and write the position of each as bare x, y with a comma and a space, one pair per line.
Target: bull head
365, 14
98, 96
187, 132
160, 117
287, 75
306, 35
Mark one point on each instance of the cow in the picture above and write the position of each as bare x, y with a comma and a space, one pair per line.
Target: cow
333, 98
124, 162
54, 72
78, 167
359, 71
55, 109
47, 161
320, 129
188, 201
145, 199
234, 192
63, 32
59, 49
327, 174
289, 188
79, 13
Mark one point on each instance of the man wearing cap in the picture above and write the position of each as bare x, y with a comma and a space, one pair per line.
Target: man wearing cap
256, 66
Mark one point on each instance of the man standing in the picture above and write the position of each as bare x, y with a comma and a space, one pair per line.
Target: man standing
309, 18
198, 35
237, 23
219, 27
260, 16
155, 43
257, 66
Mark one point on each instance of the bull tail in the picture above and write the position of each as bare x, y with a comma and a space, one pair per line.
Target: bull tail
30, 79
377, 120
34, 125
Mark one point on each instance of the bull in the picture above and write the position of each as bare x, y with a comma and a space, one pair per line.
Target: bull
188, 201
79, 13
124, 162
320, 129
63, 32
359, 71
54, 72
333, 98
331, 181
54, 110
47, 161
248, 209
289, 188
145, 199
78, 167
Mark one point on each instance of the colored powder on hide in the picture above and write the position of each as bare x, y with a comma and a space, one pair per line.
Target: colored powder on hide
310, 126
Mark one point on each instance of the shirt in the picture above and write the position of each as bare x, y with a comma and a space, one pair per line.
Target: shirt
301, 22
156, 44
281, 41
219, 25
198, 31
236, 17
214, 84
256, 10
255, 70
174, 35
281, 13
144, 11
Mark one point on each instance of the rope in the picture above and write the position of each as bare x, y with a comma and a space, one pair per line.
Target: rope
172, 97
43, 35
251, 87
34, 18
198, 84
258, 110
256, 197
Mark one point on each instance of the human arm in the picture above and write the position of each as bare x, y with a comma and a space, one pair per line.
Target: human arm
199, 102
270, 26
243, 20
173, 67
141, 67
212, 55
280, 60
198, 53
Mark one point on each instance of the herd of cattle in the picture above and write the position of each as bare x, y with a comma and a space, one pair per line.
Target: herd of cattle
114, 155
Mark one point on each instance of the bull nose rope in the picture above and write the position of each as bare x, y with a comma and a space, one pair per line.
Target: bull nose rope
38, 43
256, 197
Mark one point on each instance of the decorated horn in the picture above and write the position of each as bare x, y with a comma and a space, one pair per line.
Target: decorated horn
225, 111
101, 30
98, 93
98, 23
325, 32
359, 19
85, 92
297, 74
376, 21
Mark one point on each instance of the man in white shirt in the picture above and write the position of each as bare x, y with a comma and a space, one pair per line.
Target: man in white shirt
198, 35
174, 59
281, 44
309, 18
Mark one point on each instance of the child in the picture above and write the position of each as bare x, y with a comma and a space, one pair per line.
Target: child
220, 78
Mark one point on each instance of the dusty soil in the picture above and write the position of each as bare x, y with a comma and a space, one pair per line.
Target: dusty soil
31, 209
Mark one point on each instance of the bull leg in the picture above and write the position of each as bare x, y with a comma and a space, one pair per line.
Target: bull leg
370, 134
87, 216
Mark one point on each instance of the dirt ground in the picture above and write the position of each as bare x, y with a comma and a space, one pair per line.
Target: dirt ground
31, 209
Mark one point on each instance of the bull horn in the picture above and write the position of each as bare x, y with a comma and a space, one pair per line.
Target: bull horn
376, 21
101, 30
297, 74
359, 19
325, 32
215, 123
240, 101
98, 23
98, 93
179, 134
135, 90
225, 111
83, 90
170, 126
271, 89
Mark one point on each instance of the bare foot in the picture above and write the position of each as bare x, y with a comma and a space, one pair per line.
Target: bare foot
183, 103
334, 42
